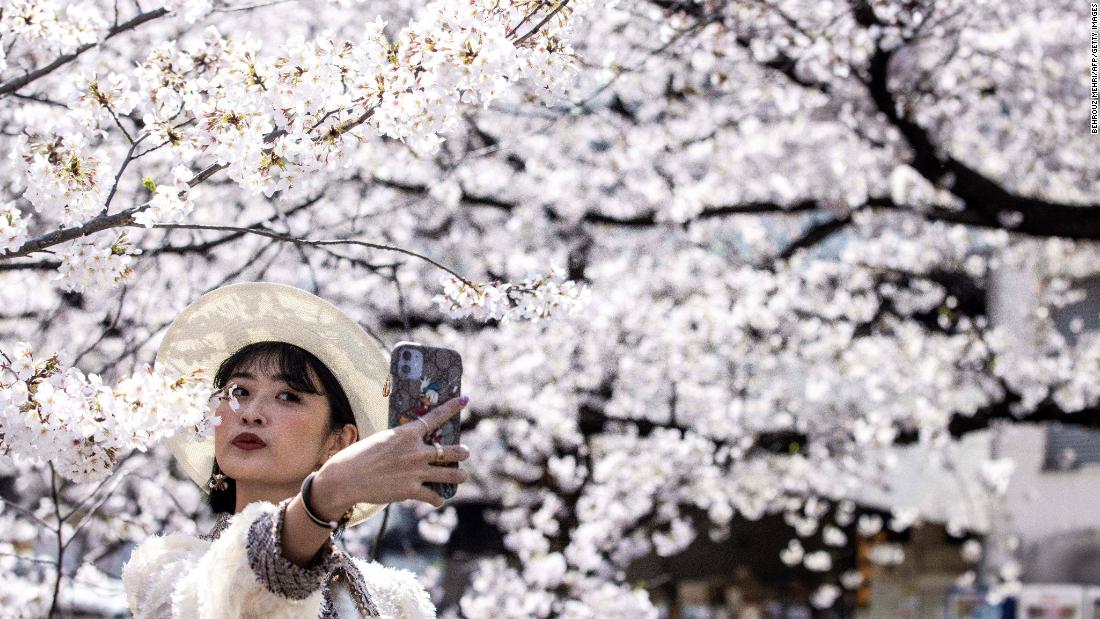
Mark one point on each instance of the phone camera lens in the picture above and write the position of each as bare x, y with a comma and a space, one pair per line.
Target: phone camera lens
405, 368
405, 355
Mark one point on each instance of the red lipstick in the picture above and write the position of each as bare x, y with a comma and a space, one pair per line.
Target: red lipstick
247, 441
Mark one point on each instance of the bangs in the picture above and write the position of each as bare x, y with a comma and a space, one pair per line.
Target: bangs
296, 367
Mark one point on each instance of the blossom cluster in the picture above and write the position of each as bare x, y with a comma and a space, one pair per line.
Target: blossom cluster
91, 262
274, 117
65, 177
499, 590
57, 414
170, 203
13, 228
536, 297
49, 25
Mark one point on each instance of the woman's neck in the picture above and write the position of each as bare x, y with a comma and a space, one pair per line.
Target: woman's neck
272, 493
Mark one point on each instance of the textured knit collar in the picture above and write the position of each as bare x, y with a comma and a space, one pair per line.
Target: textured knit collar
221, 524
344, 565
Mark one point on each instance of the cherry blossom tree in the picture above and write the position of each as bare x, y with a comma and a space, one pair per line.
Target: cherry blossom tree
705, 260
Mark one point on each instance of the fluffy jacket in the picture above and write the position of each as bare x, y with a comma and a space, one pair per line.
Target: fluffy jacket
184, 577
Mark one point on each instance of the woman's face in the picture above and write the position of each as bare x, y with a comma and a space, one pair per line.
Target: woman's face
292, 428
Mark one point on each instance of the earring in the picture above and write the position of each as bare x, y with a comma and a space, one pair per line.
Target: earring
218, 480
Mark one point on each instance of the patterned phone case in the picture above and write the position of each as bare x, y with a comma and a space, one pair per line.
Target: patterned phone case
440, 380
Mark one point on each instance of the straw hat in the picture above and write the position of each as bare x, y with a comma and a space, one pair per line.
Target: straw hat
224, 320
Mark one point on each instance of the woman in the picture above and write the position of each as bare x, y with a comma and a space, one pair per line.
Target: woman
286, 468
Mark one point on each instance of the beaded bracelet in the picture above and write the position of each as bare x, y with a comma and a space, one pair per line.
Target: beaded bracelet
331, 525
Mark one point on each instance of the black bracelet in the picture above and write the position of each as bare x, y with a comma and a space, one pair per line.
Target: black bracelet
306, 484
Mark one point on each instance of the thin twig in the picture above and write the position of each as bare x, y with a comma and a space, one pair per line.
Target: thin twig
118, 123
91, 512
25, 558
39, 100
542, 23
110, 328
121, 169
251, 7
511, 33
316, 242
101, 484
60, 545
23, 510
159, 484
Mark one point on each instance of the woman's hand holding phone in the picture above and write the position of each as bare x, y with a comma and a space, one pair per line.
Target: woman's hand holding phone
390, 466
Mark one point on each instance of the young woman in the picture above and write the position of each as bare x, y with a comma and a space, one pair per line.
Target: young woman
287, 467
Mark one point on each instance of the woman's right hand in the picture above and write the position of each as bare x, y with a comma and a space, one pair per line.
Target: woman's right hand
389, 466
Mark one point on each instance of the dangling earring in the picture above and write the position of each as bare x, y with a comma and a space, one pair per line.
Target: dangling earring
218, 480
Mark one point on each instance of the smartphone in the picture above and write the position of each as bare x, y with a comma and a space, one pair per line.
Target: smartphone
421, 378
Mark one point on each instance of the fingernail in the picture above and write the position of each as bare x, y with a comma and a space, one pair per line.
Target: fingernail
463, 400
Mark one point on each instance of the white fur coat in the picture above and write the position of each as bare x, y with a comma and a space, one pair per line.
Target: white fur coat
183, 577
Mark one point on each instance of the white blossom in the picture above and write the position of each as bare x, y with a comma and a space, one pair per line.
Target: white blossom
886, 554
868, 525
793, 554
437, 525
825, 596
818, 561
52, 413
13, 228
971, 551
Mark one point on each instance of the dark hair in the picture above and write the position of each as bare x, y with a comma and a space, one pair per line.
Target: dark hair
296, 367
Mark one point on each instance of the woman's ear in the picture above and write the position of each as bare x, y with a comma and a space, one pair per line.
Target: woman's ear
340, 439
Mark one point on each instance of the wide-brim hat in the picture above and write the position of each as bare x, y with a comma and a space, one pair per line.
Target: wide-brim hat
224, 320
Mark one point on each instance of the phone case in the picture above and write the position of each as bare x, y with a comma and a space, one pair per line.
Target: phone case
410, 397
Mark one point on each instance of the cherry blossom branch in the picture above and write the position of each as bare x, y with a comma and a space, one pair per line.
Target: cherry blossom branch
208, 245
127, 217
203, 247
988, 203
647, 220
60, 545
39, 99
512, 31
262, 5
314, 242
91, 512
15, 84
542, 23
121, 168
111, 327
1047, 411
115, 476
26, 512
158, 483
680, 35
31, 559
814, 235
99, 224
41, 265
984, 198
333, 133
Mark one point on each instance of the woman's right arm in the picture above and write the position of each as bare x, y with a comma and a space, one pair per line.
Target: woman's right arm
385, 467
